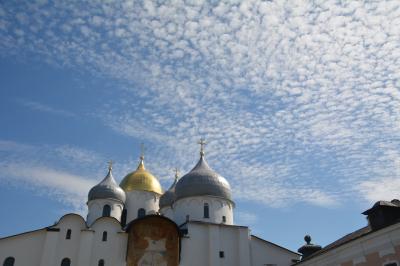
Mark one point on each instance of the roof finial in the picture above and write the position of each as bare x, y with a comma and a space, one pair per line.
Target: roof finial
141, 163
110, 165
142, 151
176, 173
202, 143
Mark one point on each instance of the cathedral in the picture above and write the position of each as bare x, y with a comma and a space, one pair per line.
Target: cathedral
137, 223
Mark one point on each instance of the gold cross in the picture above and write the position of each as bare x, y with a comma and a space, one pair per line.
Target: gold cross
142, 151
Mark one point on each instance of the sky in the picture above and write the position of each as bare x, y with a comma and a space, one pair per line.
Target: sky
299, 102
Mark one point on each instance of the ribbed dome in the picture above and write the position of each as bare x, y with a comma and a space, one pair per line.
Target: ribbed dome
168, 198
107, 189
141, 179
202, 181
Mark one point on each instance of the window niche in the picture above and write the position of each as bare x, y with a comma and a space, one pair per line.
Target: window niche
206, 210
106, 211
9, 261
68, 234
66, 262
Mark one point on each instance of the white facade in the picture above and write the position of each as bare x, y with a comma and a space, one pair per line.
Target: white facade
139, 199
96, 207
207, 234
167, 212
84, 246
192, 208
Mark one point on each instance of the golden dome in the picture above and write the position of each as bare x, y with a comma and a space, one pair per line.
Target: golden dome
141, 179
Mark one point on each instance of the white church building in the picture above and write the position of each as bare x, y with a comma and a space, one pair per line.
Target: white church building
135, 223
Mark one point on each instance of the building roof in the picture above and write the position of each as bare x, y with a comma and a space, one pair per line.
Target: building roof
168, 198
341, 241
107, 189
276, 245
141, 179
203, 181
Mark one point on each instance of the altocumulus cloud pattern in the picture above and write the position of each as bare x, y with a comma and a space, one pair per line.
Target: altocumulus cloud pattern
299, 99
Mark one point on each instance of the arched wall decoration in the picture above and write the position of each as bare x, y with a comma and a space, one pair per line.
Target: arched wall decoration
153, 240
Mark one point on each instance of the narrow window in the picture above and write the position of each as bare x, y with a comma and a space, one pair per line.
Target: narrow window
106, 210
221, 254
206, 211
68, 235
123, 217
104, 238
391, 264
224, 219
9, 261
187, 218
101, 263
141, 213
66, 262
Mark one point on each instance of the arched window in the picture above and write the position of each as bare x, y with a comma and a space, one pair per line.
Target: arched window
224, 219
206, 211
101, 263
9, 261
123, 217
66, 262
141, 213
68, 235
106, 210
104, 238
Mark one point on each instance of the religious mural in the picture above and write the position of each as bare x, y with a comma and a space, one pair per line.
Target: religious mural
153, 241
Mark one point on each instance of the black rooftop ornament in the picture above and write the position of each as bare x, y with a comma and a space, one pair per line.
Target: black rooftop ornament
308, 249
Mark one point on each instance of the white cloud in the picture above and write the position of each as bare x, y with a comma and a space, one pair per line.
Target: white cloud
45, 108
298, 101
68, 188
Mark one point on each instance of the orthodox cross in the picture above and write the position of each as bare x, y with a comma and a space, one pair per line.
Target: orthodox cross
142, 151
110, 165
202, 143
176, 173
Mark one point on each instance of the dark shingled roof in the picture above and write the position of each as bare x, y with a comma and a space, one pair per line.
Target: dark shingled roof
341, 241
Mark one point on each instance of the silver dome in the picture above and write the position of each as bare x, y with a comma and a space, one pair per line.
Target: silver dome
107, 189
168, 198
201, 181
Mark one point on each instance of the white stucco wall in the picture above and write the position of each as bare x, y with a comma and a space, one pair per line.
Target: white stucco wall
204, 242
194, 207
112, 251
263, 252
26, 248
95, 209
47, 247
167, 212
137, 199
383, 241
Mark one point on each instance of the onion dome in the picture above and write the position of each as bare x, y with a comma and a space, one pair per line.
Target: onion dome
141, 179
168, 198
107, 189
203, 181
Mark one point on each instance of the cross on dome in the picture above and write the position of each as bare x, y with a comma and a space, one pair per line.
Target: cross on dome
142, 151
202, 143
110, 165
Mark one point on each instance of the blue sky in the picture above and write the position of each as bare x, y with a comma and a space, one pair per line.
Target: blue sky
298, 101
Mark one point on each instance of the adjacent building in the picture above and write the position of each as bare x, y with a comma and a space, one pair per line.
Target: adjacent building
377, 244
